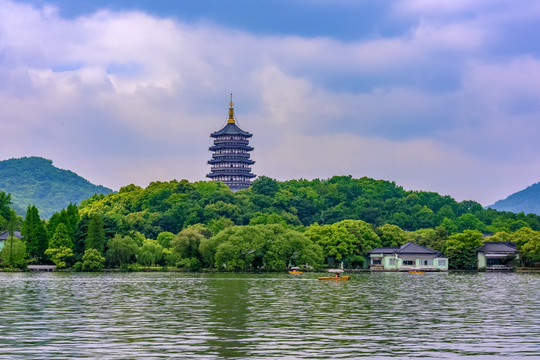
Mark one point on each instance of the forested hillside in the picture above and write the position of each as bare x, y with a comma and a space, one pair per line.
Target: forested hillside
35, 181
172, 206
527, 201
270, 226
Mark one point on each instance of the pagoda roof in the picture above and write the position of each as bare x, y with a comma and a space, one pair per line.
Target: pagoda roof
230, 146
244, 160
231, 129
215, 173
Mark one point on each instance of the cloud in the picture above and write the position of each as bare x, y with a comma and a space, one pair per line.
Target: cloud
123, 97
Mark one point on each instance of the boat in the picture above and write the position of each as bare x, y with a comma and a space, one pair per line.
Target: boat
295, 270
336, 277
416, 271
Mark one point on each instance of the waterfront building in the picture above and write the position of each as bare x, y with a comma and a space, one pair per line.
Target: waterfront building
5, 235
497, 255
407, 257
231, 161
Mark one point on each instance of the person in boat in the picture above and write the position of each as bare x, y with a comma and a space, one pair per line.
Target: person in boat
337, 275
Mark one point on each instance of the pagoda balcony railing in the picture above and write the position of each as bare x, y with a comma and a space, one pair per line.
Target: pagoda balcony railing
234, 148
231, 138
227, 162
239, 142
230, 155
225, 152
246, 174
226, 176
235, 183
243, 168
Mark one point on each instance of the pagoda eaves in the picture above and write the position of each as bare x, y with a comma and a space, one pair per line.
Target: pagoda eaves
231, 161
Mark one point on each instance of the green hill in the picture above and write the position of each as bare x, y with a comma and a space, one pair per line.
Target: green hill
173, 206
34, 180
527, 201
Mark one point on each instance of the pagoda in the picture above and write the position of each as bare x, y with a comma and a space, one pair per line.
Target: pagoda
230, 155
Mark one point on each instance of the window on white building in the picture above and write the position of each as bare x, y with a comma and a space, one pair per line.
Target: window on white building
442, 262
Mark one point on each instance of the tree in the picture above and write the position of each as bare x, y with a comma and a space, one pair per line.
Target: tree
68, 216
13, 253
217, 225
292, 248
264, 185
470, 222
34, 235
336, 242
240, 247
392, 235
530, 251
266, 218
151, 253
462, 249
528, 243
164, 239
61, 238
366, 238
59, 255
186, 245
95, 238
121, 250
5, 201
431, 238
92, 260
60, 246
348, 240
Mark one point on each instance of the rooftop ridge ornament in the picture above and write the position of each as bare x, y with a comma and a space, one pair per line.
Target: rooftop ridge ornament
231, 112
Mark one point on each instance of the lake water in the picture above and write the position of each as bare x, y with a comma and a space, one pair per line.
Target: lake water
237, 316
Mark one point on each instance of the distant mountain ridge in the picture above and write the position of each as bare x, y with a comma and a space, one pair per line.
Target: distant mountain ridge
36, 181
527, 201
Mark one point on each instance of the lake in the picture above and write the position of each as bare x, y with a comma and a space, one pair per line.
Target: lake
262, 316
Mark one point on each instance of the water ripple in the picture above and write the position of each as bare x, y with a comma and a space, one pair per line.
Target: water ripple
236, 316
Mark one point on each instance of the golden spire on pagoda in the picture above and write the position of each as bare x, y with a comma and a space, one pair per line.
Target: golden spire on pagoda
231, 112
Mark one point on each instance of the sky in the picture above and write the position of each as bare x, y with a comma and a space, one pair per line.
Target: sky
439, 96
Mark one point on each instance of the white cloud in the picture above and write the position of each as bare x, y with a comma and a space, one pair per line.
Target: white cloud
127, 97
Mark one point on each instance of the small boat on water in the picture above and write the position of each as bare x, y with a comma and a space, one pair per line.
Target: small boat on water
416, 271
295, 270
336, 277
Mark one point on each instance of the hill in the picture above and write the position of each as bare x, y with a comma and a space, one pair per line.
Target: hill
173, 206
36, 181
527, 201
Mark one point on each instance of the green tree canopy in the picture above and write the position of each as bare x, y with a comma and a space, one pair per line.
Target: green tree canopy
92, 260
35, 235
151, 253
348, 238
121, 250
95, 238
164, 239
292, 248
13, 253
462, 249
392, 235
186, 244
61, 237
